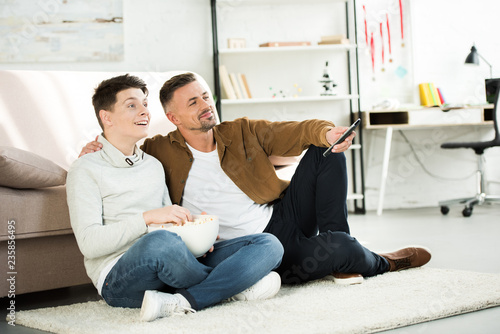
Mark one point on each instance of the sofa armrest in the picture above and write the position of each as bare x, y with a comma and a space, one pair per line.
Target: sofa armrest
36, 212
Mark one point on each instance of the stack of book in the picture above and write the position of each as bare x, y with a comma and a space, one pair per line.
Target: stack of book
334, 39
234, 85
430, 95
278, 44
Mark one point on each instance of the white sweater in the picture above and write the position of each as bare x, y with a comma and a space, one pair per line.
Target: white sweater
107, 194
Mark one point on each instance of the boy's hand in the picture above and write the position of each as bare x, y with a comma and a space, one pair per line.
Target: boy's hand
91, 147
169, 214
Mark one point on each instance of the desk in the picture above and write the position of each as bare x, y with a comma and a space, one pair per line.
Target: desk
389, 120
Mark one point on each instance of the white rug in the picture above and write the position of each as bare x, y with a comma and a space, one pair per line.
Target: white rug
384, 302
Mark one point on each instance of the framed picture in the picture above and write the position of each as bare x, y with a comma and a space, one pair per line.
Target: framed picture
60, 31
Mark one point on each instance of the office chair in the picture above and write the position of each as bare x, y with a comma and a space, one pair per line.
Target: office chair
479, 148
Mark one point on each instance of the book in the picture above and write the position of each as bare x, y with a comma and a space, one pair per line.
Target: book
340, 41
226, 84
277, 44
425, 98
245, 84
236, 87
430, 95
441, 98
243, 88
437, 94
433, 92
334, 39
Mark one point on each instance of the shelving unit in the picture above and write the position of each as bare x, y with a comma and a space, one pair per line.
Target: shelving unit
309, 48
289, 99
346, 62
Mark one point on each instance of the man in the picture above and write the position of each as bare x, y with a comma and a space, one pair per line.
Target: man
114, 194
225, 169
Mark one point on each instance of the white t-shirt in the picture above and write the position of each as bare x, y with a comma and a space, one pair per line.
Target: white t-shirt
209, 189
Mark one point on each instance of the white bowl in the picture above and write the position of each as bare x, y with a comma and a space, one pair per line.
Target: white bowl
199, 236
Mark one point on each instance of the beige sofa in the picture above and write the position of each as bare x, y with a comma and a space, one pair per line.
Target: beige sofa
37, 246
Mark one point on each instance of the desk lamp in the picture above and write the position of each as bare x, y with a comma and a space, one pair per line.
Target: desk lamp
473, 58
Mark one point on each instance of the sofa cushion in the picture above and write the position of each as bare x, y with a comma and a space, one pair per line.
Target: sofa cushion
22, 169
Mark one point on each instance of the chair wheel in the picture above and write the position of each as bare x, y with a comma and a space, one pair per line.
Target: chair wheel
467, 212
445, 210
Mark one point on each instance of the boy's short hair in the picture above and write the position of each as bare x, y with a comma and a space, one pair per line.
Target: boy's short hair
171, 85
105, 93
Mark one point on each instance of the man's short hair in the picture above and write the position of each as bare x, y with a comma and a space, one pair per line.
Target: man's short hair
105, 94
171, 85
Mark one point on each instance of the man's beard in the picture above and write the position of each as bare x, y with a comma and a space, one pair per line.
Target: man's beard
206, 125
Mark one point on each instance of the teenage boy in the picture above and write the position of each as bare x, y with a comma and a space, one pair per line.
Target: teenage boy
114, 194
308, 214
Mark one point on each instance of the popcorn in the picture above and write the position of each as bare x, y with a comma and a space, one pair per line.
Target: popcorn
196, 221
199, 221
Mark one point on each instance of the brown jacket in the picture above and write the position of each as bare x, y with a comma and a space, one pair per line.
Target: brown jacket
244, 147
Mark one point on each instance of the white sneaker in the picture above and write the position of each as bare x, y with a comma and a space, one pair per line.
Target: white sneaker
266, 288
159, 304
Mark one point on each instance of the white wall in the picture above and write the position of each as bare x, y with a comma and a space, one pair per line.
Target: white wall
389, 75
173, 35
442, 33
159, 35
442, 39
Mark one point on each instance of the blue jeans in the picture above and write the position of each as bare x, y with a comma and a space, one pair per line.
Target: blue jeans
161, 261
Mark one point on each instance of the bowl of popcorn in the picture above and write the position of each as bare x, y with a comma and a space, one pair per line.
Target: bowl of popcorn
198, 235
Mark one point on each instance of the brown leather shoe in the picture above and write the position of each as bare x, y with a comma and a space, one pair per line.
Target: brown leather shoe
347, 279
406, 258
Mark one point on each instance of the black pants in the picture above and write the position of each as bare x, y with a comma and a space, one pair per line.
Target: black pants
311, 223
